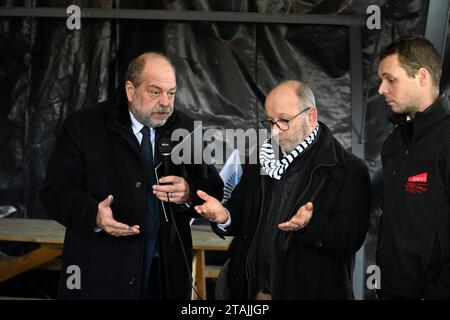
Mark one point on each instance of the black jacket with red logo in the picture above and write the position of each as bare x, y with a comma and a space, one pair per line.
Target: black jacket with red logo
414, 238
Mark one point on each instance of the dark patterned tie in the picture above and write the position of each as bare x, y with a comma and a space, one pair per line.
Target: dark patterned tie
152, 221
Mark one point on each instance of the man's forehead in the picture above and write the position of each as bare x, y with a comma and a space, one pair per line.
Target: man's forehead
158, 67
390, 61
279, 109
160, 80
388, 65
282, 99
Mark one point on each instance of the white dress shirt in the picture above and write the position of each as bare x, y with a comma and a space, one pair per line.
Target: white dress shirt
136, 126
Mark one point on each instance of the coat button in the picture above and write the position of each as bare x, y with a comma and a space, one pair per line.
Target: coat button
319, 244
132, 281
138, 185
237, 279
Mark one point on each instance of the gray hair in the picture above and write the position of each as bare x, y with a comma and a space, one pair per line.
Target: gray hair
305, 94
136, 66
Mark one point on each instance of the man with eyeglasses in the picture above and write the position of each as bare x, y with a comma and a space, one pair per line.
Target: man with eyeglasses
298, 225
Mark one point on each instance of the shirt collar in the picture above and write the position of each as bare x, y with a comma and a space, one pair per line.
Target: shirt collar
136, 126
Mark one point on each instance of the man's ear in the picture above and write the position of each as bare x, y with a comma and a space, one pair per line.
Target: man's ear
129, 89
313, 114
424, 77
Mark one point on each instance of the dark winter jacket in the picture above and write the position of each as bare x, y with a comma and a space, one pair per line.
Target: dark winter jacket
97, 154
414, 238
316, 262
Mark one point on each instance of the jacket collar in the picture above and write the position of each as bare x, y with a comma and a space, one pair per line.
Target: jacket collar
435, 113
119, 119
327, 153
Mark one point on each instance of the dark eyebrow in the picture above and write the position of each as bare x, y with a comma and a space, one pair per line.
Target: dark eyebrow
282, 116
152, 86
387, 74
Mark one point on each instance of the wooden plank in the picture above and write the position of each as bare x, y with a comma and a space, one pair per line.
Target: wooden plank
50, 234
20, 298
212, 271
54, 265
50, 231
204, 238
31, 230
11, 267
200, 283
194, 295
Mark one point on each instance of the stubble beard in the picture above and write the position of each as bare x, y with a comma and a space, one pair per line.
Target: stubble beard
147, 119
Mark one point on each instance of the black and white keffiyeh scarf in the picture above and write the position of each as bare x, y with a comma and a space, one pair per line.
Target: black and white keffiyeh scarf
274, 167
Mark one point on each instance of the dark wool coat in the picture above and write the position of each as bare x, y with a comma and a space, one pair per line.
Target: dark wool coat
97, 154
316, 262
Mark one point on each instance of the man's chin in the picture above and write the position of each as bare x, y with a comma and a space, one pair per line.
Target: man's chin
158, 123
158, 120
396, 109
285, 148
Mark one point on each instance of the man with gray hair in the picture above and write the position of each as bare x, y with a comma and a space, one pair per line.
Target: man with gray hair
297, 226
101, 184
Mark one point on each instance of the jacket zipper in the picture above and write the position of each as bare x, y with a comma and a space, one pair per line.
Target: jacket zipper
247, 272
286, 244
398, 174
309, 184
404, 160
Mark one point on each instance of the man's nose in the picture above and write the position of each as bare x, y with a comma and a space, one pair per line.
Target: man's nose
164, 99
275, 130
382, 88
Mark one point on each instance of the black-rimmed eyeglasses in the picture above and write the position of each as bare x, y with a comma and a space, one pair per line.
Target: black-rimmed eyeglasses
282, 124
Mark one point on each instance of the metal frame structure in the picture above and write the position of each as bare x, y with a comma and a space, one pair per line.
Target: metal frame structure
437, 23
175, 15
354, 24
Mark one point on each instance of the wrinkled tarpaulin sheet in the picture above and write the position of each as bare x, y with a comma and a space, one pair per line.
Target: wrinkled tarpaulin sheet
224, 70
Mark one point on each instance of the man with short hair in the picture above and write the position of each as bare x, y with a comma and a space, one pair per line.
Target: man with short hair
297, 226
102, 185
414, 239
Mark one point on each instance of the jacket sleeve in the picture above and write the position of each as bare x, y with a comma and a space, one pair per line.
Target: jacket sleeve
212, 185
240, 198
63, 195
343, 232
199, 176
440, 289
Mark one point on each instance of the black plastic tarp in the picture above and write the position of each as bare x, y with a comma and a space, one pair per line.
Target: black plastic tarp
224, 71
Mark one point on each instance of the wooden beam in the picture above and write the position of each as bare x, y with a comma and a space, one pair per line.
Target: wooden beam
11, 267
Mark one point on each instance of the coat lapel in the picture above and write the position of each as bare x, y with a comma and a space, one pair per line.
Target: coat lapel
119, 122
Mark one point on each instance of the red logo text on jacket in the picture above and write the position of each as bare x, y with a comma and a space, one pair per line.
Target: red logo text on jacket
417, 183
